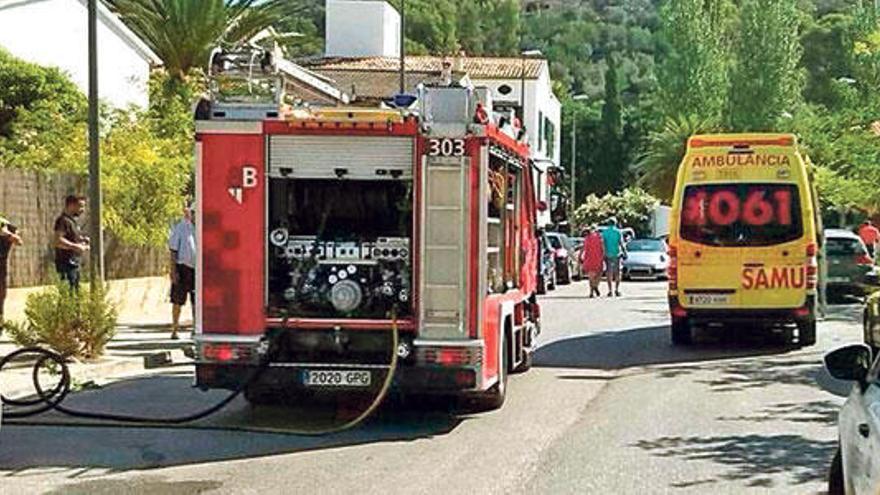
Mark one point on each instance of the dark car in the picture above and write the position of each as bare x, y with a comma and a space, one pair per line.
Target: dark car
546, 266
854, 467
849, 264
565, 259
577, 245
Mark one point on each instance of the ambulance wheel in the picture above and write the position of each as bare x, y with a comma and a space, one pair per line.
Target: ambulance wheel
681, 332
807, 333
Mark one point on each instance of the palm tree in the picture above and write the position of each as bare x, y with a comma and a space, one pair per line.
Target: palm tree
658, 166
183, 32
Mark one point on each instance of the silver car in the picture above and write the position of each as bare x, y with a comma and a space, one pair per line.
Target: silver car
854, 468
646, 259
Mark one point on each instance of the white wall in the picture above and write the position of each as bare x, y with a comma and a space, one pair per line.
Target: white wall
54, 33
359, 28
539, 101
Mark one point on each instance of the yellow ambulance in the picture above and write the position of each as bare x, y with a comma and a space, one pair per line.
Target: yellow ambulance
744, 236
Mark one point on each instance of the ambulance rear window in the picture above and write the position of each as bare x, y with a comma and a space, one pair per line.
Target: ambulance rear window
741, 214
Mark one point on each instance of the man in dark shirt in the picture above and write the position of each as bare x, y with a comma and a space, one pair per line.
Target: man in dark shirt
70, 244
8, 239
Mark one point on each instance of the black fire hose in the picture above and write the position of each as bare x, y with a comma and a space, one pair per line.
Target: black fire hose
52, 399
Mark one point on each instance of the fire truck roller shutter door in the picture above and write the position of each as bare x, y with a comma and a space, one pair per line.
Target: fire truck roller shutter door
355, 157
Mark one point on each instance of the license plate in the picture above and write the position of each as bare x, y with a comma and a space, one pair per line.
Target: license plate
708, 299
336, 378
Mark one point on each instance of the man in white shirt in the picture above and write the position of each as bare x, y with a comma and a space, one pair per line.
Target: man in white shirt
182, 244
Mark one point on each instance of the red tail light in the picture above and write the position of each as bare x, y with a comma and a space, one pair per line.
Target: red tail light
672, 269
812, 276
812, 266
812, 249
864, 260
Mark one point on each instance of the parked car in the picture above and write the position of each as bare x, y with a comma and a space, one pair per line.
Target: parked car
547, 266
871, 320
849, 264
854, 470
646, 259
564, 257
577, 244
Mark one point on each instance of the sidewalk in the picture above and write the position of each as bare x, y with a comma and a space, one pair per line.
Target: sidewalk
143, 331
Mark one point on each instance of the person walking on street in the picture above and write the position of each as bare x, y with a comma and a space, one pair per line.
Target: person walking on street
593, 258
8, 239
69, 242
615, 250
182, 244
870, 236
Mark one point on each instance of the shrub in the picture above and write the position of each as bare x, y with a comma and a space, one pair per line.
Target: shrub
632, 208
73, 324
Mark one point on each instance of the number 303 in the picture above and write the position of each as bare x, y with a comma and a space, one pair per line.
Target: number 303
446, 147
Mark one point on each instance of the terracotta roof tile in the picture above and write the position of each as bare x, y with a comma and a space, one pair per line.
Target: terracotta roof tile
475, 67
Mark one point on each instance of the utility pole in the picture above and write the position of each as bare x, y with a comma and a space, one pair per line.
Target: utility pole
402, 46
96, 267
578, 97
573, 158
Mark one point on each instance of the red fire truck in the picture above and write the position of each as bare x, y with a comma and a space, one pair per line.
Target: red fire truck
321, 230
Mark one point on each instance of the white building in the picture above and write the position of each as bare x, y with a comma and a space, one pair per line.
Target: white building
54, 33
362, 50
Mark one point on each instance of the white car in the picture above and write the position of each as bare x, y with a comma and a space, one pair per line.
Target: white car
854, 470
646, 259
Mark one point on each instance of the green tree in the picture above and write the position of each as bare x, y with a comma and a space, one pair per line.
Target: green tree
693, 76
765, 79
610, 167
827, 57
658, 166
183, 32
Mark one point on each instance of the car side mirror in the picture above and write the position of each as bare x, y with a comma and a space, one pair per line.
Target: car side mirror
850, 363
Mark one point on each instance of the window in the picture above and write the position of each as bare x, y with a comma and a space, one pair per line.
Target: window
741, 214
540, 135
550, 136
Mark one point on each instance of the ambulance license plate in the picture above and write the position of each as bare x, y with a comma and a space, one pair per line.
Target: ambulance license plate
708, 299
336, 378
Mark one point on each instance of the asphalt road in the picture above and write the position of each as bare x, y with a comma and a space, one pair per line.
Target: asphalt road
610, 407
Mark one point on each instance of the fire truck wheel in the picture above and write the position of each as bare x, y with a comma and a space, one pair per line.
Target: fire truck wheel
526, 363
260, 395
494, 397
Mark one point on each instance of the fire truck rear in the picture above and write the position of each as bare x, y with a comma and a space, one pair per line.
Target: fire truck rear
322, 230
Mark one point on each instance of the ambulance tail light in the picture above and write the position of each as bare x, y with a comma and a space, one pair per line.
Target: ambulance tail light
812, 276
864, 260
672, 269
812, 266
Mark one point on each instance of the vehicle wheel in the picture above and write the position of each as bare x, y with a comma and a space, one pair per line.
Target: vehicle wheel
681, 332
835, 475
807, 333
260, 395
867, 334
526, 363
494, 397
565, 279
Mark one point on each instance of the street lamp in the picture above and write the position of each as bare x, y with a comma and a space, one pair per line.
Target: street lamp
577, 97
96, 267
